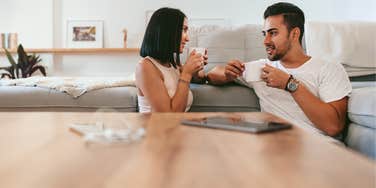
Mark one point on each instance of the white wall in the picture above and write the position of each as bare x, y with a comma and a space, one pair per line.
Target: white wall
42, 23
32, 21
119, 14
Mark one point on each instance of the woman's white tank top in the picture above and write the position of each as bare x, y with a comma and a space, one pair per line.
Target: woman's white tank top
171, 78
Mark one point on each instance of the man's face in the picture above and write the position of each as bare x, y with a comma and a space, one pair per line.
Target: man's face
277, 41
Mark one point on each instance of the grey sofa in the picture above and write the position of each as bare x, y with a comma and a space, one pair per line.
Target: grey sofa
360, 134
20, 98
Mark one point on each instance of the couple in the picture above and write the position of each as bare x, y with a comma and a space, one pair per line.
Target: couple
307, 91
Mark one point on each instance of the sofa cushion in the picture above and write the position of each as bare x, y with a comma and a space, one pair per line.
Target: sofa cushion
118, 98
19, 96
362, 106
357, 84
254, 42
228, 98
224, 43
362, 139
349, 43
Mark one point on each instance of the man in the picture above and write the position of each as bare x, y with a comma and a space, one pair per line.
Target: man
308, 91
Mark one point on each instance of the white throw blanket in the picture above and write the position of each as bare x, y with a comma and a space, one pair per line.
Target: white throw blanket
73, 86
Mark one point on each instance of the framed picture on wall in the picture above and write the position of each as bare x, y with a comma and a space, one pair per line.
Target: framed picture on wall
84, 34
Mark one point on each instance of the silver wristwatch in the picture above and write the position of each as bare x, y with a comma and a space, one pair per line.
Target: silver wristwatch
292, 84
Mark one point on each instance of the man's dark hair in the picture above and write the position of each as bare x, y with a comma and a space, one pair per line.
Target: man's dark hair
162, 37
293, 16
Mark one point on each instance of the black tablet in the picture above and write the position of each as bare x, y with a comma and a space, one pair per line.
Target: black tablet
236, 124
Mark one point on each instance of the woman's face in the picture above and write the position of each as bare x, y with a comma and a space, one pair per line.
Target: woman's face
184, 35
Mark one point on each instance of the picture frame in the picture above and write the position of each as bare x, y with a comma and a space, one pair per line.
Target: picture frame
84, 34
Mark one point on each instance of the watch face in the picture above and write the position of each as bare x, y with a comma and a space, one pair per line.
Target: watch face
292, 86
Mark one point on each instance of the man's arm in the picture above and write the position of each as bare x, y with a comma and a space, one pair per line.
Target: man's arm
199, 77
216, 76
328, 117
224, 74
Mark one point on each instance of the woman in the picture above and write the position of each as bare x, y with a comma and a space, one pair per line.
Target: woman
162, 81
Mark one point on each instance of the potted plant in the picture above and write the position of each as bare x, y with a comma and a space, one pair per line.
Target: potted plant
24, 67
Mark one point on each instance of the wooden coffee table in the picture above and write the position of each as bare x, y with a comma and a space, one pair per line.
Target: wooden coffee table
37, 149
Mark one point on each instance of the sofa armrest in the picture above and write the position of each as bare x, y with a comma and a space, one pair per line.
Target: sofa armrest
361, 84
361, 135
362, 106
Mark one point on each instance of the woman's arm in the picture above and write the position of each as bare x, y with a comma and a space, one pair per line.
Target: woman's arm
199, 78
150, 82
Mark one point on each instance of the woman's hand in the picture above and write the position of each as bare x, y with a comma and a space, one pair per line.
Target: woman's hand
206, 57
194, 63
200, 77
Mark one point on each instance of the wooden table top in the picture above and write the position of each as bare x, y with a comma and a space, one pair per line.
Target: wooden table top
37, 149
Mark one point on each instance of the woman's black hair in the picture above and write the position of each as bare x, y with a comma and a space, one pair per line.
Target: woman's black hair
162, 37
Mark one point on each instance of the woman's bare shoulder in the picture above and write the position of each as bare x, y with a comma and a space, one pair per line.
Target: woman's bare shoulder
145, 64
146, 67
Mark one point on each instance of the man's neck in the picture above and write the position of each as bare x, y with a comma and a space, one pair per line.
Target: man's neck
295, 58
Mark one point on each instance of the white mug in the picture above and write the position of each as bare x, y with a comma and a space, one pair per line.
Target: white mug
253, 70
199, 50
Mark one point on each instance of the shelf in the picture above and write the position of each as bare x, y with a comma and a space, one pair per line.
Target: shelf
76, 50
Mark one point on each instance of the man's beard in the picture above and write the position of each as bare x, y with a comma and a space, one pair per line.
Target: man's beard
276, 57
279, 55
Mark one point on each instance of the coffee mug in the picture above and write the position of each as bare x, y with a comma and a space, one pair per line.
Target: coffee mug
199, 50
253, 70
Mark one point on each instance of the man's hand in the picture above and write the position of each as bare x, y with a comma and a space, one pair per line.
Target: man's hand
233, 69
274, 77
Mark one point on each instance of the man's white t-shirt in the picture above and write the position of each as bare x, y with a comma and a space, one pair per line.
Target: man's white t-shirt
326, 80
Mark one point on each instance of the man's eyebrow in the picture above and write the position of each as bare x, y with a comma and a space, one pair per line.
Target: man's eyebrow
271, 29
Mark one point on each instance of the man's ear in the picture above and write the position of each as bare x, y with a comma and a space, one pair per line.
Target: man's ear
296, 33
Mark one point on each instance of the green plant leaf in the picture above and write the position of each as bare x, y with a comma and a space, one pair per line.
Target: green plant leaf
12, 70
9, 72
3, 75
40, 68
37, 58
10, 57
7, 69
22, 57
17, 71
26, 64
33, 60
